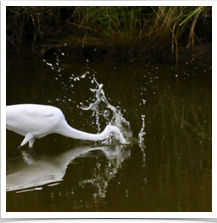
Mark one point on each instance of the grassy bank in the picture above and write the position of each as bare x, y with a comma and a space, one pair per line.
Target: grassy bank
129, 33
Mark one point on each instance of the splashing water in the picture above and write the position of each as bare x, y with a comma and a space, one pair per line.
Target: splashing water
142, 132
141, 140
102, 107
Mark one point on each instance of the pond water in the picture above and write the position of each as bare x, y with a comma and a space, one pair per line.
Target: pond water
165, 112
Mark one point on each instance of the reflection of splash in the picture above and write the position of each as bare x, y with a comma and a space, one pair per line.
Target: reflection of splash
102, 174
102, 107
37, 171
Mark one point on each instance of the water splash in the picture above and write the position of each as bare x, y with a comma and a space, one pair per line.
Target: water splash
141, 140
113, 115
142, 133
100, 107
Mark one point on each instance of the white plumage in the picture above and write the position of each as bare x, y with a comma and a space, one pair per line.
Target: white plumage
36, 121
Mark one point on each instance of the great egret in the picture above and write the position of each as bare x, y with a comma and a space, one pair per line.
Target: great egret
36, 121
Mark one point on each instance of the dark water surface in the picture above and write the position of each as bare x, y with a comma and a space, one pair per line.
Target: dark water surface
167, 166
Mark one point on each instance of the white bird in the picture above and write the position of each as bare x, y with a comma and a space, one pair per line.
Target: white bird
36, 121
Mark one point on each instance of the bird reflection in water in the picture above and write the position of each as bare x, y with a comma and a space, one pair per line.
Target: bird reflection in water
34, 171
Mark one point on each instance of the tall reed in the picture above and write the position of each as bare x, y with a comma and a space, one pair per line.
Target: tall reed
131, 32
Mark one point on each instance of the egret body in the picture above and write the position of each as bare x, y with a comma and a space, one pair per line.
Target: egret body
36, 121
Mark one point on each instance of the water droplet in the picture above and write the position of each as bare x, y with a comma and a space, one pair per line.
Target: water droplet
143, 101
106, 114
76, 79
50, 64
